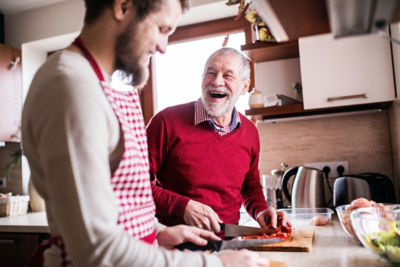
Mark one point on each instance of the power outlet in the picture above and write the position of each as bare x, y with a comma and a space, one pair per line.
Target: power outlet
332, 165
3, 182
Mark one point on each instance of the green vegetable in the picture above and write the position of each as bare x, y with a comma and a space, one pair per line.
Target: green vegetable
393, 253
386, 243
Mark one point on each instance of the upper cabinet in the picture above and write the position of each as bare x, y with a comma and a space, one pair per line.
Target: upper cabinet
291, 19
346, 71
10, 92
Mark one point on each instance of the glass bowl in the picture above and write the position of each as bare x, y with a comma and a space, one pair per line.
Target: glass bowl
378, 228
345, 220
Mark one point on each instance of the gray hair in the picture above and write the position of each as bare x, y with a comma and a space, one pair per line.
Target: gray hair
244, 60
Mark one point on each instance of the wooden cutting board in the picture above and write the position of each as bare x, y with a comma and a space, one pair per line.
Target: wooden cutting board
277, 264
301, 240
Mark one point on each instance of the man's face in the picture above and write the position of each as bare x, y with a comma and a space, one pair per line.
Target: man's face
141, 40
222, 84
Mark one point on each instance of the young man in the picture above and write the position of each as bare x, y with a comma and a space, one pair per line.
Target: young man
204, 154
87, 149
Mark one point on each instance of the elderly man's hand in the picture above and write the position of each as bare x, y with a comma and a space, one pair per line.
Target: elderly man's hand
174, 235
272, 218
201, 216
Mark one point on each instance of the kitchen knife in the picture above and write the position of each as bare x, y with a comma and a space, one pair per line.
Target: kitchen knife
228, 244
232, 230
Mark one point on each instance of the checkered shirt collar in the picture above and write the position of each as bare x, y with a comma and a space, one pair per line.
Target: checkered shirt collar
200, 115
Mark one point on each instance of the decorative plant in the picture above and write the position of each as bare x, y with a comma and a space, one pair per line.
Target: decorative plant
17, 155
262, 32
16, 158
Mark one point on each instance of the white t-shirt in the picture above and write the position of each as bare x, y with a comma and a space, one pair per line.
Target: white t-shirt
73, 143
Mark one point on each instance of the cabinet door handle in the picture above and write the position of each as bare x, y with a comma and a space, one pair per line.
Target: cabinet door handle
7, 241
344, 97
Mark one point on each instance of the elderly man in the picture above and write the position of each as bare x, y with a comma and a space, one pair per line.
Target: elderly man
87, 149
204, 155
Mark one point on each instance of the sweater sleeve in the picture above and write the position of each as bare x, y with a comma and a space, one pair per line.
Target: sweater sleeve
252, 195
167, 202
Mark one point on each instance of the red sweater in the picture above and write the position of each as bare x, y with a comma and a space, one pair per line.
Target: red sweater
195, 162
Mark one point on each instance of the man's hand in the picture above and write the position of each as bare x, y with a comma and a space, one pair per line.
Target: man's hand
174, 235
242, 258
202, 216
271, 217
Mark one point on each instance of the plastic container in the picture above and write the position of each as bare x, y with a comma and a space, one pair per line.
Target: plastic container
301, 217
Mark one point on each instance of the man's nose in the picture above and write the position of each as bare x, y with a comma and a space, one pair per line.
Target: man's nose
218, 80
162, 45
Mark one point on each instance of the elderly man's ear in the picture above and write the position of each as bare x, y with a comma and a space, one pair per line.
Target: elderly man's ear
246, 85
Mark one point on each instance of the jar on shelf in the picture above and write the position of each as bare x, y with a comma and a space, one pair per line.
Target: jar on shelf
256, 99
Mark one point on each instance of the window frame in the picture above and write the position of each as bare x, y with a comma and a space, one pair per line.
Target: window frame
192, 32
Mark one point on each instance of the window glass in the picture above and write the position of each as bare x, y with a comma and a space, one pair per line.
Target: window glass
178, 73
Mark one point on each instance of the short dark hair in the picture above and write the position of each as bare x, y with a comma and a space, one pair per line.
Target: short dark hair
94, 8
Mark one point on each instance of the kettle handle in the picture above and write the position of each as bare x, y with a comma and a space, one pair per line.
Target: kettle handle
285, 179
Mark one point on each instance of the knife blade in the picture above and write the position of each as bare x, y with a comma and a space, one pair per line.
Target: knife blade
228, 244
233, 230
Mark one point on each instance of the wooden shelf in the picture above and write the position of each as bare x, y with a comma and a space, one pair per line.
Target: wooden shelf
295, 110
266, 51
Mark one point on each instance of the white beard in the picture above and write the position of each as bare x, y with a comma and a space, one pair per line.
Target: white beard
215, 109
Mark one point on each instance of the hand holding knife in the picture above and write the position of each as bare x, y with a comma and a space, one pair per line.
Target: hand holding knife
232, 230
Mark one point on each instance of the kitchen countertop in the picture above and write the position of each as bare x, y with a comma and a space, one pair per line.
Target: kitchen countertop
331, 248
32, 222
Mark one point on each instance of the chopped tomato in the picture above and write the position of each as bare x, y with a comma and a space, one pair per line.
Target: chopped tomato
282, 232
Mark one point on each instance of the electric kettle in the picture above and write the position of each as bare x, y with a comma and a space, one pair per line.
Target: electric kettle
307, 187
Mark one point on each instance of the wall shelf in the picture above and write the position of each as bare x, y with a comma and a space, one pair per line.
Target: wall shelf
267, 51
295, 110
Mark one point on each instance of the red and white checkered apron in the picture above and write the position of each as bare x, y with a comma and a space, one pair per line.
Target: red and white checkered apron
131, 180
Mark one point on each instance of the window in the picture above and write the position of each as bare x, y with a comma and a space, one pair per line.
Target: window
178, 73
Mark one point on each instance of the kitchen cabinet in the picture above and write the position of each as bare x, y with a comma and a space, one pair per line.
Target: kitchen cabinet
346, 71
10, 91
17, 248
20, 236
290, 19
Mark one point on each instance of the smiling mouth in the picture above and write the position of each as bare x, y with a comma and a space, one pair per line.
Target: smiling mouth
217, 95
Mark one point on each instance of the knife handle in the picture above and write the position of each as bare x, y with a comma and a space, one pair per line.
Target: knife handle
211, 245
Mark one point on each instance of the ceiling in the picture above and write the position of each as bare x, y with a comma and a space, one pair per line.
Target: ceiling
18, 6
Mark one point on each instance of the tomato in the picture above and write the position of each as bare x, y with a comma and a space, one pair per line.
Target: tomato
282, 232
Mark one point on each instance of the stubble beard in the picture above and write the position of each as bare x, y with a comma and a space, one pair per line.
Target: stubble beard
126, 59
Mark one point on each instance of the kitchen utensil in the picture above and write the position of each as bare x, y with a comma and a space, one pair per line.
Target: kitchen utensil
378, 228
233, 230
278, 173
307, 189
372, 186
301, 240
228, 244
270, 185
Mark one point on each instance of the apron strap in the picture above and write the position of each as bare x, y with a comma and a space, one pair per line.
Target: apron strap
78, 42
37, 259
